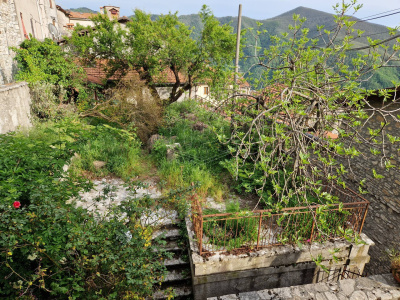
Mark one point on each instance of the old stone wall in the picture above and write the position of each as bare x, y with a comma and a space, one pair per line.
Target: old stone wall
15, 107
383, 219
9, 36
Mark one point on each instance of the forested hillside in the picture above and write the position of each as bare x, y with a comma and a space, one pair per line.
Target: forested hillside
279, 24
83, 10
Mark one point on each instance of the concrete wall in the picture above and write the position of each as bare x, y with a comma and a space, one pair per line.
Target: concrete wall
15, 107
283, 266
164, 93
9, 37
63, 21
383, 219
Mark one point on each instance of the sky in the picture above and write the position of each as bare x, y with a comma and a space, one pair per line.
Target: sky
256, 9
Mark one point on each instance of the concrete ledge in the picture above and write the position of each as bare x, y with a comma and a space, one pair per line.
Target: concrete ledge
275, 267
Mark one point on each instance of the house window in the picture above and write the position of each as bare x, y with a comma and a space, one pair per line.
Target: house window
51, 3
54, 21
206, 91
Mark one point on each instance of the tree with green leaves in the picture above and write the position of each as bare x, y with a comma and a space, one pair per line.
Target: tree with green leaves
295, 140
52, 74
152, 47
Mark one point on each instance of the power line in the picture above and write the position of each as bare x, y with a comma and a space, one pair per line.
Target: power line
379, 13
378, 17
360, 48
366, 19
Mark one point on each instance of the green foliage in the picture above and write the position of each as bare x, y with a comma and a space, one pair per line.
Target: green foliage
46, 61
259, 37
292, 140
52, 249
117, 148
47, 101
154, 47
26, 162
199, 151
235, 231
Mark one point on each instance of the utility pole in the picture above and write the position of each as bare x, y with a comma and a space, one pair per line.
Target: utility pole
239, 28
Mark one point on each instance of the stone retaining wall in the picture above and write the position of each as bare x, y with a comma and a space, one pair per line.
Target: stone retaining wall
15, 107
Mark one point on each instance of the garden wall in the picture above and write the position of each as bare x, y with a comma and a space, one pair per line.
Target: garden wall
274, 267
15, 107
383, 218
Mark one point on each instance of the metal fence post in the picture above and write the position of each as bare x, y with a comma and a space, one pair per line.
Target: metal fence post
259, 230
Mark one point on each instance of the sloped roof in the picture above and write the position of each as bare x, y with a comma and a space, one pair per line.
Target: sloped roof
79, 15
98, 75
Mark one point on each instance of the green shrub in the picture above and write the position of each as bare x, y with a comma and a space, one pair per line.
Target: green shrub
50, 250
53, 250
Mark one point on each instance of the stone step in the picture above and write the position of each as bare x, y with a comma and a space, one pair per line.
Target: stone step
172, 246
180, 293
167, 234
175, 262
177, 275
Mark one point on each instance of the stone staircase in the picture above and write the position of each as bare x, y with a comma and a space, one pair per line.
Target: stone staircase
178, 278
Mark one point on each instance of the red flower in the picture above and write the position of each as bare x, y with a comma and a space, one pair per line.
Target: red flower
17, 204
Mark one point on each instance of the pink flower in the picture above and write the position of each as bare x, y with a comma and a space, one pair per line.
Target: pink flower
309, 240
17, 204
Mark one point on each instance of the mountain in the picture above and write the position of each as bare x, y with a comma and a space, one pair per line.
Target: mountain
83, 10
279, 24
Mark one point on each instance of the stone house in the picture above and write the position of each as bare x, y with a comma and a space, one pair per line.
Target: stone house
69, 19
18, 20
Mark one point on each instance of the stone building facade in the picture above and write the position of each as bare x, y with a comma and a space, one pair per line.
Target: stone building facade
383, 219
9, 37
18, 20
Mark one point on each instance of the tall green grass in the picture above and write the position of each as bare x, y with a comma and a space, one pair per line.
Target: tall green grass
200, 153
119, 149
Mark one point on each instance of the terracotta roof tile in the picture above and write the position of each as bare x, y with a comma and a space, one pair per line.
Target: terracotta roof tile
98, 74
79, 15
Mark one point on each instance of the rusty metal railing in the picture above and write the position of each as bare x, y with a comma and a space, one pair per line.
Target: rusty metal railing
265, 228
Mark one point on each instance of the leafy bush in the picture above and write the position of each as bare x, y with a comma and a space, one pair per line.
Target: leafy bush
47, 101
46, 62
50, 249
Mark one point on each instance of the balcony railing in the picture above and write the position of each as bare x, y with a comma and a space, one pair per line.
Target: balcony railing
266, 228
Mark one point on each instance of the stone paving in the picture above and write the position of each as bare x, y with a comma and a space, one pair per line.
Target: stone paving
353, 289
107, 193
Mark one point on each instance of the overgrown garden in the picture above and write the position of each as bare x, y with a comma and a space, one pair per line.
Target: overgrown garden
288, 144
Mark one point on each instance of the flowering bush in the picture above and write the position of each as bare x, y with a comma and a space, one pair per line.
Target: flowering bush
53, 250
